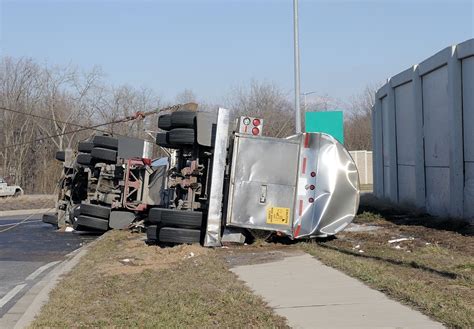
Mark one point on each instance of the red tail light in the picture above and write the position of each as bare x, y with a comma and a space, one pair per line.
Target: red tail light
255, 131
256, 122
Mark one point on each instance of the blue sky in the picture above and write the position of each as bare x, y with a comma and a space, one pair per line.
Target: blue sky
212, 46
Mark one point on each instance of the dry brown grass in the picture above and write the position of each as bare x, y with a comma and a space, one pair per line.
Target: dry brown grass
185, 286
41, 201
432, 271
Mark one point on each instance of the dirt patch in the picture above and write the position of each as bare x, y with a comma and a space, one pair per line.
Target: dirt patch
28, 202
249, 255
131, 257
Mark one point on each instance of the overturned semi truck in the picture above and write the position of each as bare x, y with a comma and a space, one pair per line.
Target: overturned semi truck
222, 177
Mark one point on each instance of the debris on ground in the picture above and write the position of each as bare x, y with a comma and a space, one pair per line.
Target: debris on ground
401, 239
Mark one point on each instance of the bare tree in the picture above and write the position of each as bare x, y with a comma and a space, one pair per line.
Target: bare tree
267, 101
358, 124
186, 96
45, 105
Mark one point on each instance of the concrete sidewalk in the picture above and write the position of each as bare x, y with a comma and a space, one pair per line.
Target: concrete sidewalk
312, 295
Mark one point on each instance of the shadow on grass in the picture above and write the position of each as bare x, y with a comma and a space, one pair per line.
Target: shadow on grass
411, 264
406, 215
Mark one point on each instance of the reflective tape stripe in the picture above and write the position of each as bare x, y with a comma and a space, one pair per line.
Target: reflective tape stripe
297, 231
306, 140
301, 208
303, 170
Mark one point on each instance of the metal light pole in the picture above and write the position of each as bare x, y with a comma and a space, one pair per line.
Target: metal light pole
297, 68
304, 95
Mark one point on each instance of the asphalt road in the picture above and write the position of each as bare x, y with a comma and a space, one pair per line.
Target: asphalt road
28, 252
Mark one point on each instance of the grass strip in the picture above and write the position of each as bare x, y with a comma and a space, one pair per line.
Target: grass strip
121, 282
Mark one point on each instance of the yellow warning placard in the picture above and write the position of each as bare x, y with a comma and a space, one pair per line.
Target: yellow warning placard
276, 215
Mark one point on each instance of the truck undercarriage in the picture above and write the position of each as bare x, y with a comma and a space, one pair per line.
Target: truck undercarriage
219, 176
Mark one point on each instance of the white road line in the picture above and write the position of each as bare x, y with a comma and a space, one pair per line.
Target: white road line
12, 293
40, 270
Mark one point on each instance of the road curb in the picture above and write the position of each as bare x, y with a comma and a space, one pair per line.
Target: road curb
38, 295
7, 213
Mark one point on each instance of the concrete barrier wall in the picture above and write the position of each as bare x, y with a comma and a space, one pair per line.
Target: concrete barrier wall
363, 161
423, 135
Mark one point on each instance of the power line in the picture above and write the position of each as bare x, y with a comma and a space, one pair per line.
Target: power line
137, 115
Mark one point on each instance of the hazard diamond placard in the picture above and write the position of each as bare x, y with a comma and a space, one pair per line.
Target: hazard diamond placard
276, 215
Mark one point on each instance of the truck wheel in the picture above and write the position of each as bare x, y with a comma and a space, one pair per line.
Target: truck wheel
175, 218
179, 235
61, 156
17, 194
105, 142
162, 139
104, 154
91, 223
164, 121
154, 215
152, 233
50, 219
183, 119
94, 210
85, 147
84, 159
181, 136
74, 213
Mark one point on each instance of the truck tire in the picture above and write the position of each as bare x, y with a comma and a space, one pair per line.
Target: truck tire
74, 213
175, 218
105, 142
162, 139
90, 222
61, 156
181, 136
94, 210
164, 121
183, 119
152, 233
84, 159
17, 193
179, 235
104, 154
154, 215
85, 147
50, 219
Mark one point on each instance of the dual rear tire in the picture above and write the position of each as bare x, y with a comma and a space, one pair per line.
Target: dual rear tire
99, 149
92, 217
174, 226
179, 129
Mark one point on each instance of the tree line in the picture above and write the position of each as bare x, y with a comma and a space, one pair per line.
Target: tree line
50, 105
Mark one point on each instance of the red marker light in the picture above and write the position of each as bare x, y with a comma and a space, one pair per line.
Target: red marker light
256, 122
255, 131
311, 187
313, 174
311, 200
